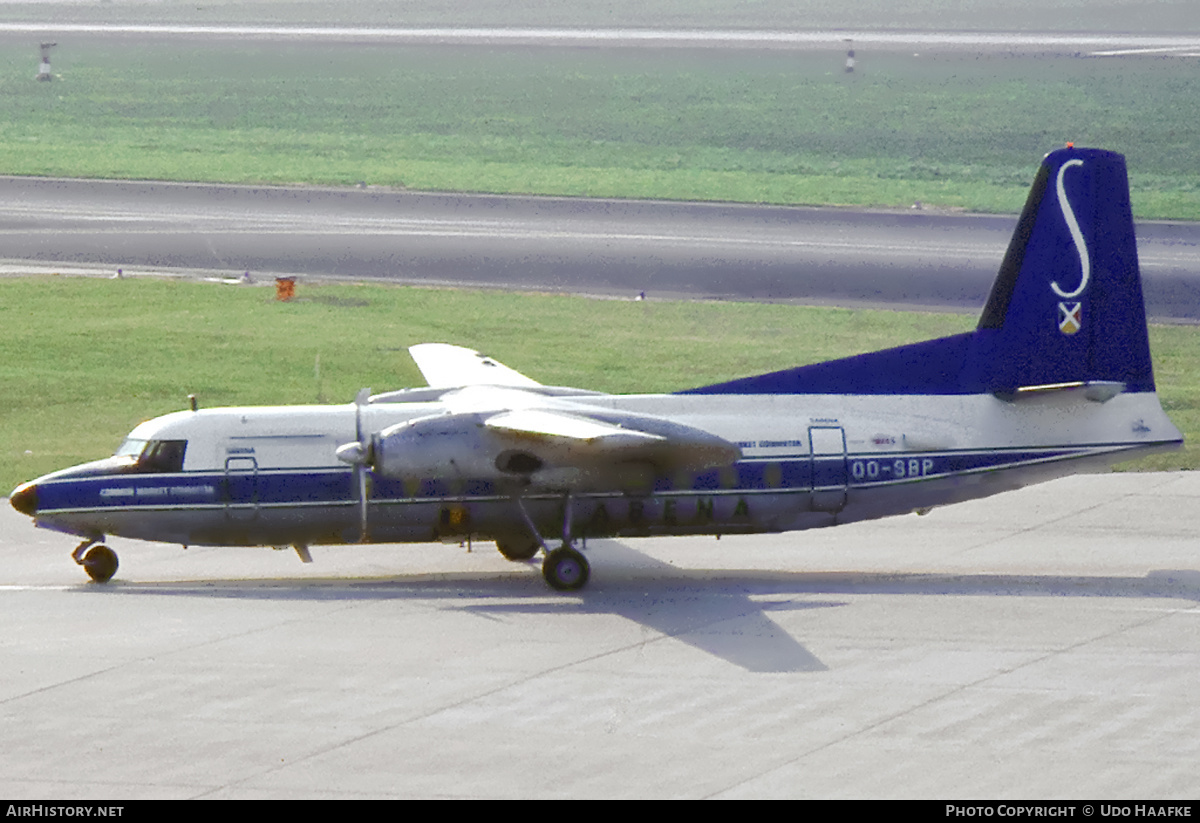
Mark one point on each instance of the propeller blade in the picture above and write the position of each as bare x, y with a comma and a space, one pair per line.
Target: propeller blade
362, 455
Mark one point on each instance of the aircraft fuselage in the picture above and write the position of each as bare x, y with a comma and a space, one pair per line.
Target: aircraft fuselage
269, 476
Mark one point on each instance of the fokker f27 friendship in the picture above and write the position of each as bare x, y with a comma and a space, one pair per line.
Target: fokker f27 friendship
1055, 379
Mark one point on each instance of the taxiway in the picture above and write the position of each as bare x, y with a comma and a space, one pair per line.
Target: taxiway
1041, 644
912, 259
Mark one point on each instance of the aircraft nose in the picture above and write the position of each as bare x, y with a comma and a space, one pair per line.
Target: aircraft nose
25, 499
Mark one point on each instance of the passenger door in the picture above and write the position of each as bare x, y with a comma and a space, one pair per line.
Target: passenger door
241, 487
828, 454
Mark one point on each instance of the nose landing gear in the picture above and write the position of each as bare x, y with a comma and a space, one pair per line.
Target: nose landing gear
100, 562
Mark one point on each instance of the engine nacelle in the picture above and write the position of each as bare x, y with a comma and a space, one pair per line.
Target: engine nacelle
451, 445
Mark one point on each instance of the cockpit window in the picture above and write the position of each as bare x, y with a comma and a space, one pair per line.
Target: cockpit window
161, 456
130, 448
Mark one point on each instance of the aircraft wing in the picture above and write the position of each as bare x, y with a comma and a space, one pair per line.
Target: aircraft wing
496, 422
515, 431
445, 367
543, 424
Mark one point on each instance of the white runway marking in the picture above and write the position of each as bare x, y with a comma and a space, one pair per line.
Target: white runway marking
1102, 44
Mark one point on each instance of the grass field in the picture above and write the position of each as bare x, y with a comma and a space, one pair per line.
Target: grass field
949, 131
82, 361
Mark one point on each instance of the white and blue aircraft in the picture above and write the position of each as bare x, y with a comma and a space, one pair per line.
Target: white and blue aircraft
1056, 379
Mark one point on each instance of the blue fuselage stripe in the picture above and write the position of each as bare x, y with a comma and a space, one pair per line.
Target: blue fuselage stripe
335, 486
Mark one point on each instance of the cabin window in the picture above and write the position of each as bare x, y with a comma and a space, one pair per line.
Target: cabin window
162, 456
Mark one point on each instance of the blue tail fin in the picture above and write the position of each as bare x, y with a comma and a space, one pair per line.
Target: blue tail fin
1066, 306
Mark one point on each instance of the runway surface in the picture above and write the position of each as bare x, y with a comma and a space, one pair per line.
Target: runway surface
1038, 645
637, 37
608, 247
1100, 43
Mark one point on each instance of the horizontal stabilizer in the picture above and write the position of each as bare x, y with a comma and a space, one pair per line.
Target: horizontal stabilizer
1098, 391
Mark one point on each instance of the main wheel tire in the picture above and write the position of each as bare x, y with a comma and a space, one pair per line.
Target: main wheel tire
518, 550
100, 563
566, 569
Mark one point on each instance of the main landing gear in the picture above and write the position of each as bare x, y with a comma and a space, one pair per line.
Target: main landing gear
100, 562
518, 549
564, 568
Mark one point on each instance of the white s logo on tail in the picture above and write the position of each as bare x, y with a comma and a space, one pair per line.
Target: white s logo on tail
1085, 262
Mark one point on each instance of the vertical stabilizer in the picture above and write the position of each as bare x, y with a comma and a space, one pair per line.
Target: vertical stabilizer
1067, 304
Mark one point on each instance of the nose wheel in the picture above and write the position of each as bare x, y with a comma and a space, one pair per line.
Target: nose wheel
100, 562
